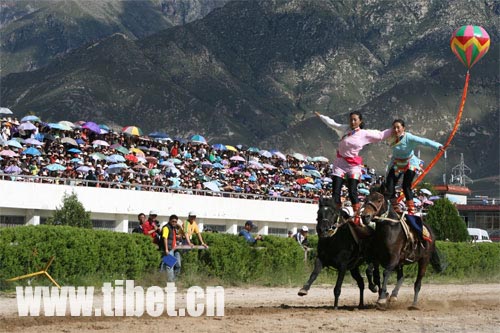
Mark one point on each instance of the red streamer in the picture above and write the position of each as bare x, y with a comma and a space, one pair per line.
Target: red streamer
452, 134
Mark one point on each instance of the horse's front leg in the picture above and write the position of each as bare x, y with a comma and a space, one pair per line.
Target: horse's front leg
382, 298
361, 285
318, 266
395, 291
338, 286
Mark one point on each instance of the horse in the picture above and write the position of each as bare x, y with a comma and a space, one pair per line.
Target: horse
338, 248
392, 249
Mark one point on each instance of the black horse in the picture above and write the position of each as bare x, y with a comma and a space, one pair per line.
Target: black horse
392, 249
338, 248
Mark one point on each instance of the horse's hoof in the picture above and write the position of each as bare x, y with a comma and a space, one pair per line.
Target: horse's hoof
335, 307
382, 301
302, 292
381, 307
393, 299
373, 288
413, 307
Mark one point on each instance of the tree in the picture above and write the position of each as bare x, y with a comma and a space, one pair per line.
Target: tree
72, 213
443, 218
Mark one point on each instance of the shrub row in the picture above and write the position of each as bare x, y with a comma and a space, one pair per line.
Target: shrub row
86, 256
80, 253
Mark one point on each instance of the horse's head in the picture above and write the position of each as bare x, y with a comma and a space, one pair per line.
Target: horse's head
375, 205
327, 217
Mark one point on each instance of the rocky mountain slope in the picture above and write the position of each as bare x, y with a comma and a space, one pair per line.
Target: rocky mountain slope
255, 71
33, 32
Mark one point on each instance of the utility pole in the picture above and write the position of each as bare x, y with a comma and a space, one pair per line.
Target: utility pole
458, 173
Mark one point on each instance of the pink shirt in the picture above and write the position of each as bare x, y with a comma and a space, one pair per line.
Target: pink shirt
352, 142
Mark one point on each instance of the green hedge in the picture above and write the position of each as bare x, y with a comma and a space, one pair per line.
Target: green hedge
80, 253
86, 257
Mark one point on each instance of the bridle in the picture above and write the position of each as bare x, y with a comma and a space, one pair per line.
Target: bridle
378, 207
333, 227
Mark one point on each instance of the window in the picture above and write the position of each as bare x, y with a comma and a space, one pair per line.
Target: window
103, 224
214, 227
12, 221
277, 231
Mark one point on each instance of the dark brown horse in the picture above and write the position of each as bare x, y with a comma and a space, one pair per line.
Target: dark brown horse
338, 248
392, 249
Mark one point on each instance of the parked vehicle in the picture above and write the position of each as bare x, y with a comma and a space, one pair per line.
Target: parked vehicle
479, 235
495, 236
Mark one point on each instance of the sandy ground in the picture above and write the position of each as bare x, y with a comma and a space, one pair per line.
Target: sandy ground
442, 308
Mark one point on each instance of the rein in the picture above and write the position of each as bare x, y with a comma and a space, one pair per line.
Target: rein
384, 216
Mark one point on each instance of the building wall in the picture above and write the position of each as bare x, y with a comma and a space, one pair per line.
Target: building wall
117, 209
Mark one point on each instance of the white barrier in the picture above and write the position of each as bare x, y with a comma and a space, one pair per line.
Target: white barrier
35, 201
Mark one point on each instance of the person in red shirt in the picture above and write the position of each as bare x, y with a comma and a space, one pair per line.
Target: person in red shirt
150, 227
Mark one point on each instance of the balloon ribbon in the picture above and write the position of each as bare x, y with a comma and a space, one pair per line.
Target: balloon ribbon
452, 134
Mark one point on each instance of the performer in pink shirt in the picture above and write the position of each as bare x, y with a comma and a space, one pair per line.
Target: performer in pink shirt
348, 163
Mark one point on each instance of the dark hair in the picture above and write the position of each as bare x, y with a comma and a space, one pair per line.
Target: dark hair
141, 214
401, 121
173, 217
360, 116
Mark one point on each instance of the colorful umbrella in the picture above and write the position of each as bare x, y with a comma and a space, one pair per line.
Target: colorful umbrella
13, 143
91, 126
122, 150
55, 167
278, 154
27, 126
67, 124
32, 151
137, 151
69, 141
198, 139
237, 158
219, 146
265, 153
8, 153
115, 158
100, 143
231, 148
13, 169
132, 130
30, 118
33, 142
5, 111
253, 149
299, 156
131, 158
74, 151
319, 159
59, 126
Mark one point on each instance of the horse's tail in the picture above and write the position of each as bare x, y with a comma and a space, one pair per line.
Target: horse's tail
438, 260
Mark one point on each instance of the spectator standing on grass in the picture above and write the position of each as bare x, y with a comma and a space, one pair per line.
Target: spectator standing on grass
245, 232
142, 218
192, 228
168, 245
150, 227
301, 236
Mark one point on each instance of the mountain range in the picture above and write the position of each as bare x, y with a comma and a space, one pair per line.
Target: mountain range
254, 72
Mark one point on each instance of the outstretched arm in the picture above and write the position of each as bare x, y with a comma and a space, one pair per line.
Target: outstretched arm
339, 128
425, 142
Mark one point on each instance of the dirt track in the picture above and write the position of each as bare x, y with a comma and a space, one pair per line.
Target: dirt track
443, 308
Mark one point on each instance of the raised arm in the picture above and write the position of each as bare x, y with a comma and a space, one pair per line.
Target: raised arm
339, 128
424, 142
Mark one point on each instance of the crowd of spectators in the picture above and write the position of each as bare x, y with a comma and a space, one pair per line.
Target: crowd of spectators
87, 154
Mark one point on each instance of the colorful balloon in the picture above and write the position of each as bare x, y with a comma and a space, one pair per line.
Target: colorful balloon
470, 43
